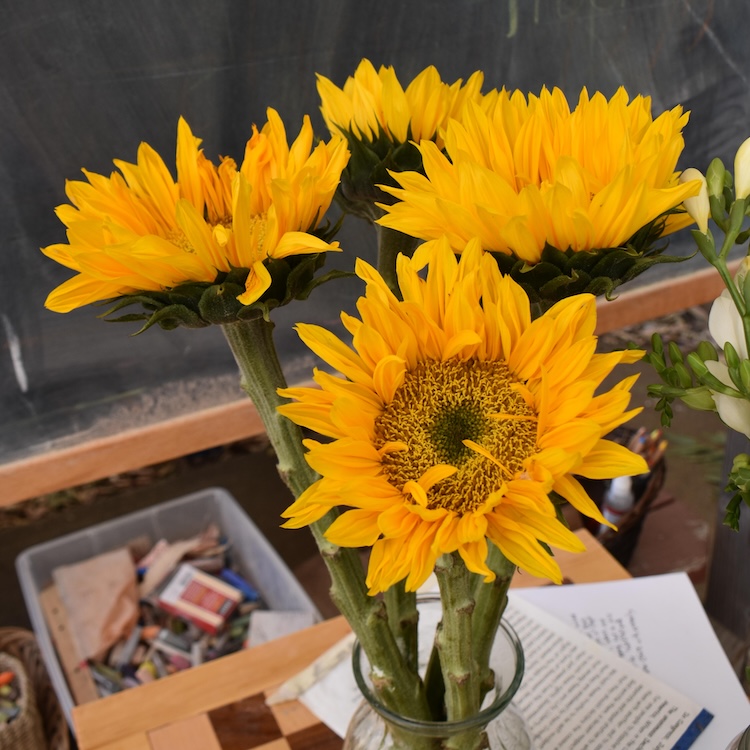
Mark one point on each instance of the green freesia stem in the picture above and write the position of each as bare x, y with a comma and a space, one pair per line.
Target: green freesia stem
390, 244
491, 600
739, 301
397, 686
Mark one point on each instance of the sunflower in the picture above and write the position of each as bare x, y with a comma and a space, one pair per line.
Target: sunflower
456, 416
374, 103
140, 230
380, 120
528, 176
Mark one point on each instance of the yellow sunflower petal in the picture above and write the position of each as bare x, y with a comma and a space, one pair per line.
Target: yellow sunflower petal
355, 528
572, 490
609, 459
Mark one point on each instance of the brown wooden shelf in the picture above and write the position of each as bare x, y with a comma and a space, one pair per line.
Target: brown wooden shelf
133, 449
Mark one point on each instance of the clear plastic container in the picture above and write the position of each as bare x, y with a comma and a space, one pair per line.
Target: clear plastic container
177, 519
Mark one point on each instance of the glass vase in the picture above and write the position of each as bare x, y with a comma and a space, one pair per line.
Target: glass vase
497, 726
741, 741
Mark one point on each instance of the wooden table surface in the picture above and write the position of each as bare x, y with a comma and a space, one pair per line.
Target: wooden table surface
220, 705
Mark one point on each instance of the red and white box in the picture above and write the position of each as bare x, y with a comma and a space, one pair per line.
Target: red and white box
200, 598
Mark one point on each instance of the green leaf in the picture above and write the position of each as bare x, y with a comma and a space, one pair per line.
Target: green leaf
323, 279
172, 316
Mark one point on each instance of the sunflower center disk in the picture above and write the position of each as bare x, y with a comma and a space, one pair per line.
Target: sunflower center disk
438, 407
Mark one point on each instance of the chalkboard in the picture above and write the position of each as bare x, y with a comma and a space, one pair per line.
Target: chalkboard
84, 81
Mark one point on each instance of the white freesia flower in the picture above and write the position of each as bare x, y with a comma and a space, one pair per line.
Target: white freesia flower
742, 170
698, 206
734, 412
725, 325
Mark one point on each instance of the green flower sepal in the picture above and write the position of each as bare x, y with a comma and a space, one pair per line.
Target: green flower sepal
368, 167
201, 304
738, 484
560, 274
685, 377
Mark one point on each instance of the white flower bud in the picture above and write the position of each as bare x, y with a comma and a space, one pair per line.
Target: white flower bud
698, 206
742, 171
725, 324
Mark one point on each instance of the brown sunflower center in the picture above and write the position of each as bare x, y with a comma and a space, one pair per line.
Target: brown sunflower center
442, 404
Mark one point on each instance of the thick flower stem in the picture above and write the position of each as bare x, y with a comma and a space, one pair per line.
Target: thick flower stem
403, 619
454, 638
454, 643
491, 600
390, 244
251, 342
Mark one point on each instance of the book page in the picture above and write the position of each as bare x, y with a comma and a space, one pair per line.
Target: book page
658, 624
576, 694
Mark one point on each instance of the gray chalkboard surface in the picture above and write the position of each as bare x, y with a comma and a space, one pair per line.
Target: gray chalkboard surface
85, 81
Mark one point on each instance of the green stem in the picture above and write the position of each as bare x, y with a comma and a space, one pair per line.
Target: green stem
251, 342
456, 650
403, 620
400, 688
454, 638
491, 600
390, 244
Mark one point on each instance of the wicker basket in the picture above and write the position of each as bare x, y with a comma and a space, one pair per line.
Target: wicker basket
50, 727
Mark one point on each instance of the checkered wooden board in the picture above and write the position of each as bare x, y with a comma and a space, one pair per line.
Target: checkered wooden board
248, 724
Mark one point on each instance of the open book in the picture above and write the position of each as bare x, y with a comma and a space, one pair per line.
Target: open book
577, 694
656, 677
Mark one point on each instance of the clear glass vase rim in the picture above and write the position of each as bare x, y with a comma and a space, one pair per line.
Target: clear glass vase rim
446, 728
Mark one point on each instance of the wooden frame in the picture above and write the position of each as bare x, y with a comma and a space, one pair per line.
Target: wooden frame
133, 449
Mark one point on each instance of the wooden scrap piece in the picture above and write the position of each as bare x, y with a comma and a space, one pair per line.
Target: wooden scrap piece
76, 670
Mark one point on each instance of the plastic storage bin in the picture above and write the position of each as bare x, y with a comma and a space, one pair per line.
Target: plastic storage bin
173, 520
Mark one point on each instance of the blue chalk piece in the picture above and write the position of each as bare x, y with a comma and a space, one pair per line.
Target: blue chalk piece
233, 579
